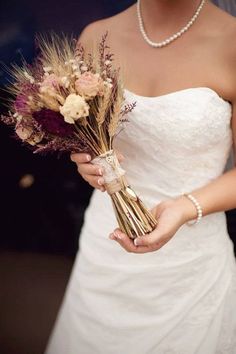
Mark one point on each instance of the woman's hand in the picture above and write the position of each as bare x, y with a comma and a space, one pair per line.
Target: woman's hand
170, 215
91, 173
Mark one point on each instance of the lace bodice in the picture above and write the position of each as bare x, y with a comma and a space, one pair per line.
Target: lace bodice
176, 142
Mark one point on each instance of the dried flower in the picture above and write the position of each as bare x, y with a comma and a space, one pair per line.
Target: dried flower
50, 92
50, 82
23, 132
26, 133
65, 81
59, 144
49, 101
26, 98
29, 77
35, 138
9, 119
47, 69
74, 108
69, 100
84, 68
21, 104
89, 85
53, 122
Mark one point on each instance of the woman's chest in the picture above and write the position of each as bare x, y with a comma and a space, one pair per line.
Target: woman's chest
154, 71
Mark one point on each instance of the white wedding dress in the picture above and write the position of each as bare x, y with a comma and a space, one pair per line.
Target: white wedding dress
180, 299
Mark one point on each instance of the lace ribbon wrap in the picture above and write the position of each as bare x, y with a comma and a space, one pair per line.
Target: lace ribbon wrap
113, 172
133, 217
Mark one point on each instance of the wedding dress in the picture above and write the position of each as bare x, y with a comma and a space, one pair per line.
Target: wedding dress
180, 299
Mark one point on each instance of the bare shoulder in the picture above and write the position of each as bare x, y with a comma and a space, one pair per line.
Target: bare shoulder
221, 16
94, 31
224, 29
230, 49
225, 24
228, 35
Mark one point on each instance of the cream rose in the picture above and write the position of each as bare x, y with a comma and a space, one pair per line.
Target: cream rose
89, 85
74, 108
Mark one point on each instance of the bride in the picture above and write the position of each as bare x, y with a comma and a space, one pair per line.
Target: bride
172, 291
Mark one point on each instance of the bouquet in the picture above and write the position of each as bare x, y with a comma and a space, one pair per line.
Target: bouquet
72, 101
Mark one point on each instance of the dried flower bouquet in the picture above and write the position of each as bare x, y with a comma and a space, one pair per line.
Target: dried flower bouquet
72, 101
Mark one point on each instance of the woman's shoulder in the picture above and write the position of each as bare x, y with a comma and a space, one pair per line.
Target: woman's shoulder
225, 20
227, 24
112, 25
222, 27
228, 50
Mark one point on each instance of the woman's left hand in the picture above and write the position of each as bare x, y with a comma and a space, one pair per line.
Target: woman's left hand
170, 215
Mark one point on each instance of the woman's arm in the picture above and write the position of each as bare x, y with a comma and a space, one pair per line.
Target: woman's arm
220, 194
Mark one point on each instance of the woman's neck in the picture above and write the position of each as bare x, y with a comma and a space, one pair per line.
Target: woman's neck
167, 15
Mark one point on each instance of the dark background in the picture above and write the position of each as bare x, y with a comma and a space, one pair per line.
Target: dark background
42, 198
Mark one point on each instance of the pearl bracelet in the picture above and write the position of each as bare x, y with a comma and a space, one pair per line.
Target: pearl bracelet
197, 206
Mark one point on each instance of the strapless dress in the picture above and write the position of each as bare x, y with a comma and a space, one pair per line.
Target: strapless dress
180, 299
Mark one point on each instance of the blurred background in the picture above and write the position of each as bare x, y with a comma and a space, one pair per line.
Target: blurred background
42, 198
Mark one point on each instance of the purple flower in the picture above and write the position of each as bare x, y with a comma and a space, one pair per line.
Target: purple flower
53, 122
21, 104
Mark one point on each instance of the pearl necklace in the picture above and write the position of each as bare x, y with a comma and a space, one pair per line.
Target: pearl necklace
172, 38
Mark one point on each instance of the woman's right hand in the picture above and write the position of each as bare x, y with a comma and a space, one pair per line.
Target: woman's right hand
91, 173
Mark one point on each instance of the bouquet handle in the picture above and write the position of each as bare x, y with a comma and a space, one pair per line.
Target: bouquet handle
133, 217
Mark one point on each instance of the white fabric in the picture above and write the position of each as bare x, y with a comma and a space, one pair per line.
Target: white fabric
182, 298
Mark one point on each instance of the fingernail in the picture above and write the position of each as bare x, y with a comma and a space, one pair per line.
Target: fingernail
100, 181
112, 237
118, 235
136, 241
88, 157
100, 172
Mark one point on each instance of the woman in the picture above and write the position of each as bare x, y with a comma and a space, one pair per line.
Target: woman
174, 290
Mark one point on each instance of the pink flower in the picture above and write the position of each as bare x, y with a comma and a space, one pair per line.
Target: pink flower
50, 82
24, 132
89, 85
27, 134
